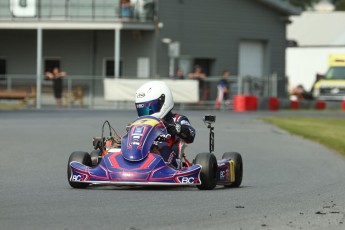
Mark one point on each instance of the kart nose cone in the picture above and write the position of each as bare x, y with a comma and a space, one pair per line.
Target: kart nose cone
136, 144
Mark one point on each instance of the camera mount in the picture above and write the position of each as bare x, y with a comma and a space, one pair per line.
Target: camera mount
209, 120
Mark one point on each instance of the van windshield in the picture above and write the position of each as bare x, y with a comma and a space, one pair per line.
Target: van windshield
336, 73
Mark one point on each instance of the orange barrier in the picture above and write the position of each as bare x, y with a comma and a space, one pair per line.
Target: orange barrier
252, 103
273, 103
343, 105
320, 105
239, 103
245, 103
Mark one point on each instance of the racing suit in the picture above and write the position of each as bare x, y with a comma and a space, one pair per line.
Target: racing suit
180, 129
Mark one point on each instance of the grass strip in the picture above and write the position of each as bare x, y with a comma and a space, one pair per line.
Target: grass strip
6, 106
327, 131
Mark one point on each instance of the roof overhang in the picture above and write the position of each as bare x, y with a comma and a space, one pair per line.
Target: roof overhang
282, 6
77, 25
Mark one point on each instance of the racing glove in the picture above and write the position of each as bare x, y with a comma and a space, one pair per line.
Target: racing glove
173, 129
179, 130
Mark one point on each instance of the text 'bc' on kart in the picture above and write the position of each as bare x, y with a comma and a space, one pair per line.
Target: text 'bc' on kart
129, 162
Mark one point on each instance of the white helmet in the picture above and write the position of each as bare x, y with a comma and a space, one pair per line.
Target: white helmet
154, 98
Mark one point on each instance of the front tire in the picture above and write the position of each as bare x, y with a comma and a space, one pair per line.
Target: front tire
95, 156
81, 157
237, 158
208, 173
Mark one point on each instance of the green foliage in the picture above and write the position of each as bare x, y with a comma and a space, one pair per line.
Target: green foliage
339, 5
327, 131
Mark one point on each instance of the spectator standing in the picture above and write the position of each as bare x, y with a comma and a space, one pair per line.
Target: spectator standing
179, 74
223, 91
126, 9
197, 74
56, 76
300, 93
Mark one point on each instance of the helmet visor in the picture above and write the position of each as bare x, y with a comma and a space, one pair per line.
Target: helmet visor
148, 108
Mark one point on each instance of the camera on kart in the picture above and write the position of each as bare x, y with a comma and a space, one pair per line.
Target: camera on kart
209, 119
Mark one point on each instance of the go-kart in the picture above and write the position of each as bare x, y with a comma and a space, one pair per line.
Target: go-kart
130, 161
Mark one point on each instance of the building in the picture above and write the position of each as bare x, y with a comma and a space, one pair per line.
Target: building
316, 35
96, 38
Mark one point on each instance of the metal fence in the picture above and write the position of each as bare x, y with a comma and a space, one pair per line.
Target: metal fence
78, 91
259, 86
76, 10
87, 91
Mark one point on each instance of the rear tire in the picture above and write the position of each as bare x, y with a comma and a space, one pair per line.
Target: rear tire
208, 173
81, 157
236, 157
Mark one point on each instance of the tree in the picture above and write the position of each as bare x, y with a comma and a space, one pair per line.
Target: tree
304, 4
339, 5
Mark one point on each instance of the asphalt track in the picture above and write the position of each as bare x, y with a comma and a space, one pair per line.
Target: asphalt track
289, 182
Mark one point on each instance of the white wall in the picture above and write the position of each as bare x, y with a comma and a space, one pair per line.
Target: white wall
303, 63
184, 91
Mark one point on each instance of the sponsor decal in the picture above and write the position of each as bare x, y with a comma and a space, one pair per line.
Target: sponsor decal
188, 180
171, 157
76, 178
135, 143
140, 106
184, 122
141, 95
136, 138
178, 128
222, 175
139, 130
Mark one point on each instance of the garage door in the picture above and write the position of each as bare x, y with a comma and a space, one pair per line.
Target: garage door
251, 58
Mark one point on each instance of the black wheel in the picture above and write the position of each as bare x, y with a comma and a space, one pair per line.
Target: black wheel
236, 157
81, 157
208, 174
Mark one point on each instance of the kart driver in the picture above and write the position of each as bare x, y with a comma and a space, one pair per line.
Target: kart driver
155, 98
